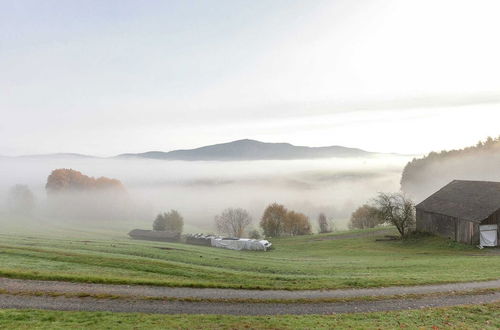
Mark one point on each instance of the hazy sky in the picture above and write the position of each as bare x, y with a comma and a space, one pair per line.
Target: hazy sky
106, 77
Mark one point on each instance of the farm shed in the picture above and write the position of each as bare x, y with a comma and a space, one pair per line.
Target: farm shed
151, 235
465, 211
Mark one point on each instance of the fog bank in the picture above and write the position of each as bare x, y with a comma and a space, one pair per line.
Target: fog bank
200, 190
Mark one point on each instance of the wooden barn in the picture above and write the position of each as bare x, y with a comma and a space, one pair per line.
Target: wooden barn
463, 211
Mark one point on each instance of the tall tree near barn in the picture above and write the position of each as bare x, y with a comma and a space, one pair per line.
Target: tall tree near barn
398, 210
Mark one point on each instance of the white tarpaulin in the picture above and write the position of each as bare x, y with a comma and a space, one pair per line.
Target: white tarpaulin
488, 235
241, 244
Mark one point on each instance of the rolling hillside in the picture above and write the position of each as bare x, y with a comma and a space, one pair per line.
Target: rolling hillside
252, 150
422, 177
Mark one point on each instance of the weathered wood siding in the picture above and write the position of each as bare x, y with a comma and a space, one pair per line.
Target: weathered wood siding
449, 227
467, 232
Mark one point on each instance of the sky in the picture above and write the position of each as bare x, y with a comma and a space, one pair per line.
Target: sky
110, 77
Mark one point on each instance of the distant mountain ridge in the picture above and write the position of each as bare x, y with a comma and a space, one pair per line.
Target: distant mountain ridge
251, 150
63, 155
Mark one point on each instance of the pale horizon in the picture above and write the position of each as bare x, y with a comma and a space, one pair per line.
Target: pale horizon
105, 78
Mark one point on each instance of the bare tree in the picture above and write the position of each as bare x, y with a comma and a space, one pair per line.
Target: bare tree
233, 222
323, 224
398, 210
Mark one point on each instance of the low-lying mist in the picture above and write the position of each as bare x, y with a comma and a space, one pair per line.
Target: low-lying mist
432, 174
198, 190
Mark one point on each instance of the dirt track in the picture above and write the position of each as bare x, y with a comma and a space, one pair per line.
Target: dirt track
31, 286
182, 307
132, 298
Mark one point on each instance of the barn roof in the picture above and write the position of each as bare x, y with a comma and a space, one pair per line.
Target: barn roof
468, 200
153, 234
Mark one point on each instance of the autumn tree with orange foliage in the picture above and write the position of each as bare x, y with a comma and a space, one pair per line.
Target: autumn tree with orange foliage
273, 219
278, 221
296, 223
62, 180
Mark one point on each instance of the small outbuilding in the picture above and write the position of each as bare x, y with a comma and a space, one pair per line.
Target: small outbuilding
465, 211
152, 235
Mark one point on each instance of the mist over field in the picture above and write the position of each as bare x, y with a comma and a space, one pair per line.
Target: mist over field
198, 190
422, 177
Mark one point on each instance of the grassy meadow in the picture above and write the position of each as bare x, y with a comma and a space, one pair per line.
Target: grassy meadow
306, 262
463, 317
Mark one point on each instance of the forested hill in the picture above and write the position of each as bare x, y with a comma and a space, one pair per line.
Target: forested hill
423, 176
252, 150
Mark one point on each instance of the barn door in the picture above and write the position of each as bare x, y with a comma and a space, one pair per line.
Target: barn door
488, 235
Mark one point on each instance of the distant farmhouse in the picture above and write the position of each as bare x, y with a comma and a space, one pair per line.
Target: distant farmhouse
464, 211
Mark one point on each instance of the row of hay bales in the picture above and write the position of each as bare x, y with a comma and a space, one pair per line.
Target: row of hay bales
202, 239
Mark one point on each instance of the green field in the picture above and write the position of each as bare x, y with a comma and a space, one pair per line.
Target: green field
307, 262
466, 317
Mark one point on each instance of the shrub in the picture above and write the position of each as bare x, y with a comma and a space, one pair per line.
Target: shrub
254, 234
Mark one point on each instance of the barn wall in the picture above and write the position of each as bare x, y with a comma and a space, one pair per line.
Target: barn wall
424, 221
494, 219
449, 227
467, 232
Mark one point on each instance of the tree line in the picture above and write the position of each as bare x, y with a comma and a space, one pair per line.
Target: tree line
65, 180
415, 172
276, 221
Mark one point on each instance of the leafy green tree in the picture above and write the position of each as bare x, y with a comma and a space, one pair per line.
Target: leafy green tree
169, 221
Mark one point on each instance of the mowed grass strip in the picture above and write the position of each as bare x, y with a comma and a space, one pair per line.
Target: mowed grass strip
463, 317
307, 262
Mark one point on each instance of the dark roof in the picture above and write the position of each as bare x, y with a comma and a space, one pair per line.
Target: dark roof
153, 234
468, 200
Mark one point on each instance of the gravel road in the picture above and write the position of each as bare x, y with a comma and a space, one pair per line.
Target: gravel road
30, 286
181, 307
130, 298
